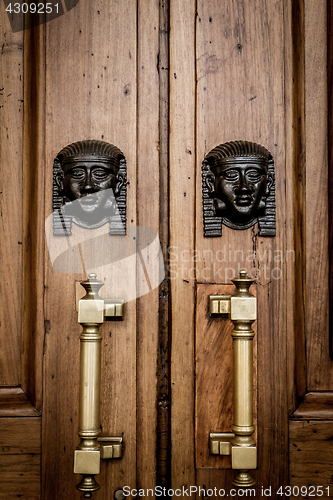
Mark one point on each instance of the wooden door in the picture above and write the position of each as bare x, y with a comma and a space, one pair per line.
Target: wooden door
166, 82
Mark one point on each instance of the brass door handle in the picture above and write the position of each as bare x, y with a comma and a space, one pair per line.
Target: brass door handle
242, 310
92, 312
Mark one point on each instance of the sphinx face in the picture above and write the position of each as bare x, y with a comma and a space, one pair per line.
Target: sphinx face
89, 183
240, 189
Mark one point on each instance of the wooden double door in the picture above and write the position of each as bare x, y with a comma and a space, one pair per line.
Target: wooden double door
166, 81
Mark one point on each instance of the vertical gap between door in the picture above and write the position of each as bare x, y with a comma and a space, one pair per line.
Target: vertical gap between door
163, 392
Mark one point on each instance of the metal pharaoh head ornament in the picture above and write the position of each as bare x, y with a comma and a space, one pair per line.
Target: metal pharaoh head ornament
238, 188
89, 187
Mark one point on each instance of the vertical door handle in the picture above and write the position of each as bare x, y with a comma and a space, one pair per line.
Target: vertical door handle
241, 307
93, 310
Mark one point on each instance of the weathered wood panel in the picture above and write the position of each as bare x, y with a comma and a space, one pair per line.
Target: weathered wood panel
20, 435
148, 199
20, 476
20, 457
11, 108
330, 157
240, 96
182, 203
214, 376
310, 446
33, 214
320, 367
91, 92
310, 456
295, 197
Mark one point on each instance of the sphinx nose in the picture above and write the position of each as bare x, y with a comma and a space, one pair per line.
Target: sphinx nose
88, 185
243, 182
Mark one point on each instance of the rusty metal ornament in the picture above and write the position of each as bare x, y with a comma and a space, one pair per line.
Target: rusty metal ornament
238, 188
89, 187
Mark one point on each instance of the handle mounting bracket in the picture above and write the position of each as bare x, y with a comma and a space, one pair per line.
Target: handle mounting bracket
219, 443
111, 447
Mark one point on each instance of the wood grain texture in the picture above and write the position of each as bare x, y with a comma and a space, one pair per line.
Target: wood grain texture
20, 457
20, 363
320, 367
182, 203
310, 455
296, 197
214, 376
20, 435
148, 199
20, 477
91, 93
240, 95
330, 157
11, 106
33, 213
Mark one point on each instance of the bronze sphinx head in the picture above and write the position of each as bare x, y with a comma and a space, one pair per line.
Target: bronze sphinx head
238, 188
89, 187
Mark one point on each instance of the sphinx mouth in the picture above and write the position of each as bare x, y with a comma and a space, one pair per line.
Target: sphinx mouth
88, 203
244, 200
88, 198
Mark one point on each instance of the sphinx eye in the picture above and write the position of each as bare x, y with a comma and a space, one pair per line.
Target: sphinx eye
231, 175
254, 175
100, 174
78, 173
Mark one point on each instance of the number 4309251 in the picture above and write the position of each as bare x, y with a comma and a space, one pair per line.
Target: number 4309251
33, 8
308, 491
